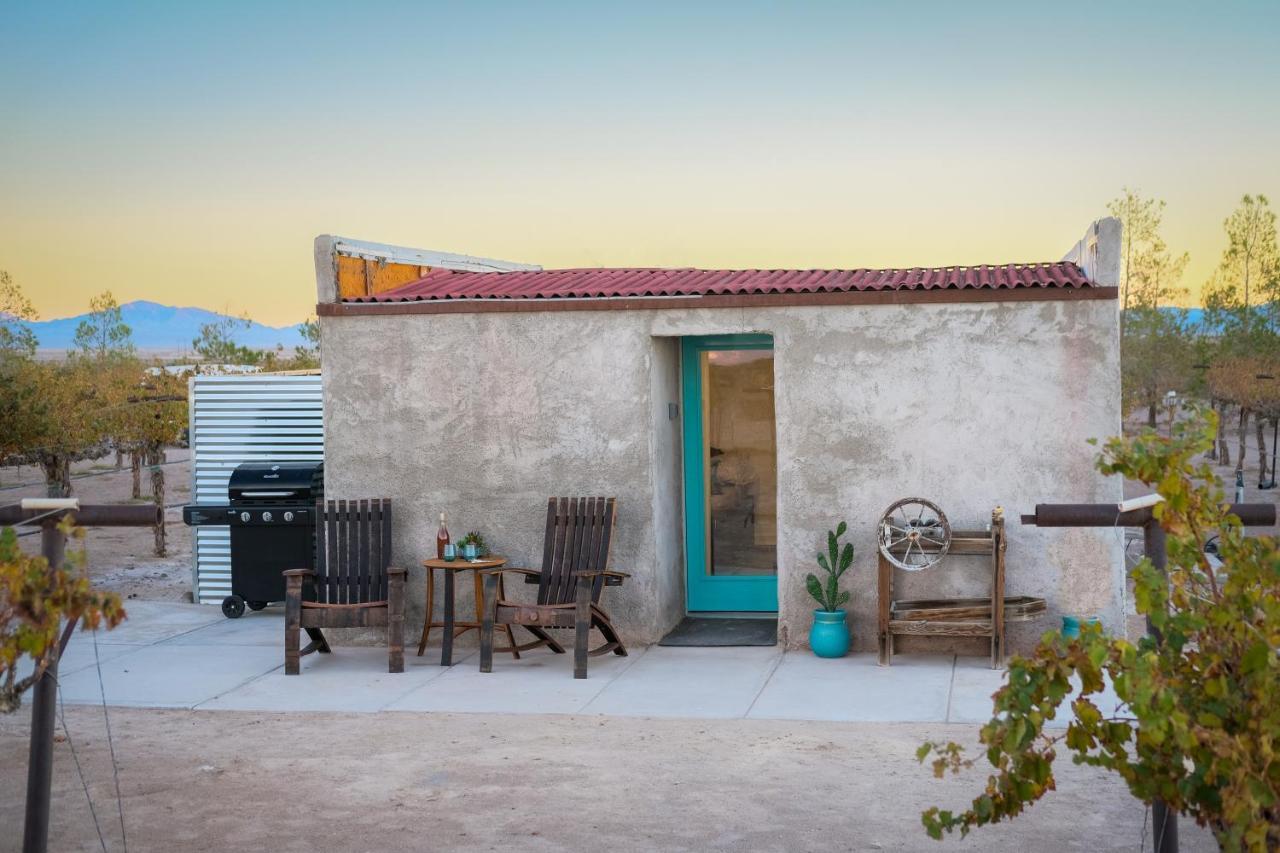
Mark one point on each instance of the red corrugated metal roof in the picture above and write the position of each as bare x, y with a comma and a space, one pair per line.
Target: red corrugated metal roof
603, 283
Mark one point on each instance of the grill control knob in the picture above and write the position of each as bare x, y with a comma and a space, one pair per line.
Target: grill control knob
266, 516
244, 516
288, 516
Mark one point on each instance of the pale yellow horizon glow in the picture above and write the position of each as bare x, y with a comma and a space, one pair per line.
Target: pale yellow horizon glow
262, 264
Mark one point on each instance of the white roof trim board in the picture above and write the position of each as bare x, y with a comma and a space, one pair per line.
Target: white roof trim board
423, 257
238, 419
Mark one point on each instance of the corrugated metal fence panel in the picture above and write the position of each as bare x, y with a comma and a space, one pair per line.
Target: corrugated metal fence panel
238, 419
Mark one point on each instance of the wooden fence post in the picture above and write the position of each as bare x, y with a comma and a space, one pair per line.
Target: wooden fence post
157, 494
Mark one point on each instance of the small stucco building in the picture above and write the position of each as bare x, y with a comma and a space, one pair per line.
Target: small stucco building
737, 415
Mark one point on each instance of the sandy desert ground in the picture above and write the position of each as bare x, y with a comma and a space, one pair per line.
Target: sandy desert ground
225, 780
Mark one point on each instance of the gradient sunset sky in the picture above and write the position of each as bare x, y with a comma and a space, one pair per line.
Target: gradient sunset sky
188, 153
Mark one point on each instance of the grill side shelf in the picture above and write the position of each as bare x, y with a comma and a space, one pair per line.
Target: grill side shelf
195, 515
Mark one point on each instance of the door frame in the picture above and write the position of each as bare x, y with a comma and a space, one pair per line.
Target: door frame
704, 593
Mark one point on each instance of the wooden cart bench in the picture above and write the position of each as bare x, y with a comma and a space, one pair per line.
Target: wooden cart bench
957, 617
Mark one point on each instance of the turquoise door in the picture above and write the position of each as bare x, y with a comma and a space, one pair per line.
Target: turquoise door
730, 473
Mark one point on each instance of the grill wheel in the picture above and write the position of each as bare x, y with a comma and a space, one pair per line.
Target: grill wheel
256, 605
233, 607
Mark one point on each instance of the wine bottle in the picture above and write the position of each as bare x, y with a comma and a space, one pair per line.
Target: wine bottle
442, 538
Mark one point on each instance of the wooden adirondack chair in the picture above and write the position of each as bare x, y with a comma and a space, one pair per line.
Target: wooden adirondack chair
351, 586
575, 570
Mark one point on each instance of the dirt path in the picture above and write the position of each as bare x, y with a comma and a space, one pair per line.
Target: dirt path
204, 781
122, 559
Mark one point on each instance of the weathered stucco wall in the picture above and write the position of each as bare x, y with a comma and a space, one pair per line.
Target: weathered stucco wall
486, 415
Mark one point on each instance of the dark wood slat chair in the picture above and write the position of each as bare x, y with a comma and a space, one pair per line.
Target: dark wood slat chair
575, 571
352, 585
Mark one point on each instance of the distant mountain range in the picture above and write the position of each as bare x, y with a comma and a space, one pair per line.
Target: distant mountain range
167, 328
1195, 316
171, 329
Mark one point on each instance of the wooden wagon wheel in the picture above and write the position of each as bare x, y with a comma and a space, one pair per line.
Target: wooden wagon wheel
914, 534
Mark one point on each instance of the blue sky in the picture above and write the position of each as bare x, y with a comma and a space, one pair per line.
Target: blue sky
188, 153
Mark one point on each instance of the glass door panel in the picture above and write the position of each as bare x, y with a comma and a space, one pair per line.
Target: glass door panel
740, 458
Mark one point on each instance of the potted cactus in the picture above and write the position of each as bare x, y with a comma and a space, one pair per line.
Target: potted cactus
829, 636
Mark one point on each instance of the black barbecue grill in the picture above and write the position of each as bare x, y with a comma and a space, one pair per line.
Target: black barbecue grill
271, 512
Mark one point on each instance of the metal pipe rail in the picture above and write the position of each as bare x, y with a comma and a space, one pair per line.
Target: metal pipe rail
1108, 515
103, 515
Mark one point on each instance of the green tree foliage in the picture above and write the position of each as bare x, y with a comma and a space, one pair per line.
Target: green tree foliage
35, 602
106, 341
19, 398
60, 413
1199, 723
1157, 354
1156, 344
217, 342
148, 412
1242, 300
1242, 316
103, 334
54, 413
307, 356
17, 349
1147, 271
150, 405
1251, 383
16, 340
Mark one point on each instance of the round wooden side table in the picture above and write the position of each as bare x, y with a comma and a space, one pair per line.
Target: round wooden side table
452, 627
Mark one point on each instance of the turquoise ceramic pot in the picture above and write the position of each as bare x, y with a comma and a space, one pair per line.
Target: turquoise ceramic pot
829, 636
1071, 625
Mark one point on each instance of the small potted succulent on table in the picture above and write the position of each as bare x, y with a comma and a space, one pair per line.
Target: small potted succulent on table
829, 636
473, 538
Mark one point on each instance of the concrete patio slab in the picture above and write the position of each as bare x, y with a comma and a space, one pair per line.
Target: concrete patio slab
79, 654
153, 621
539, 683
689, 682
971, 688
171, 676
265, 628
855, 688
173, 655
349, 679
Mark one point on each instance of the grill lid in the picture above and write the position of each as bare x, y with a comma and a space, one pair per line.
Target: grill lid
277, 482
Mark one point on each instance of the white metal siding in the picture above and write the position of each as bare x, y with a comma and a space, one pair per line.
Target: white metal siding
238, 419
